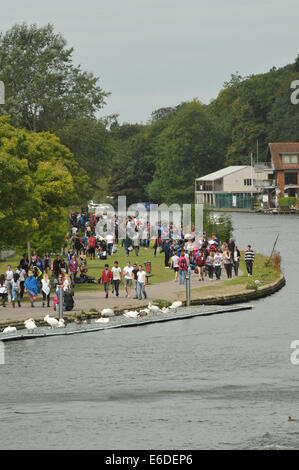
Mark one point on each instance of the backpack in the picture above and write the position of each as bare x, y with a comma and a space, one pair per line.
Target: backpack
183, 263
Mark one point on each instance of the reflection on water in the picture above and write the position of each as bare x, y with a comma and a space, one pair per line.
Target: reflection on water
213, 382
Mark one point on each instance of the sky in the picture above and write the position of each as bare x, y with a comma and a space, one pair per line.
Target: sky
151, 54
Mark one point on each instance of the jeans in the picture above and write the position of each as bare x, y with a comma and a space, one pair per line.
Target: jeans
106, 288
73, 278
182, 276
110, 246
249, 266
116, 286
46, 296
228, 269
141, 289
218, 272
15, 293
136, 287
236, 267
211, 270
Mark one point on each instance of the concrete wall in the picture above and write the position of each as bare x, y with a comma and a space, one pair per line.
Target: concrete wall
235, 181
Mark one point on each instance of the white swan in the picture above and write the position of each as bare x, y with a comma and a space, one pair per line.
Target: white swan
9, 329
102, 320
30, 324
153, 308
51, 321
176, 305
165, 309
131, 314
144, 312
107, 312
61, 323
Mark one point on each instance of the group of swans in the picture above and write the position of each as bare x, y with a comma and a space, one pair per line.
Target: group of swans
154, 309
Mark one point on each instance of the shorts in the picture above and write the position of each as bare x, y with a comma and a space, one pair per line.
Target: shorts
128, 282
176, 269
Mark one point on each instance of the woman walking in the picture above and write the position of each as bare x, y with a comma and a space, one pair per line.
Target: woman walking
236, 259
3, 289
200, 264
15, 290
210, 264
32, 287
228, 263
46, 286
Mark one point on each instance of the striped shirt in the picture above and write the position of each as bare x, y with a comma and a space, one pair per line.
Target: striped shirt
249, 255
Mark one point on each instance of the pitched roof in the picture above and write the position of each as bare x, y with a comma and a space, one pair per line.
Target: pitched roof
275, 149
221, 173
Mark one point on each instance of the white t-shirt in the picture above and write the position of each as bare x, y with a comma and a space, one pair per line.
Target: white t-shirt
110, 239
116, 273
128, 272
9, 275
175, 261
141, 276
218, 259
74, 230
46, 286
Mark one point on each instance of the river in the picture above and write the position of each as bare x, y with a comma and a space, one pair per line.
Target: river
219, 382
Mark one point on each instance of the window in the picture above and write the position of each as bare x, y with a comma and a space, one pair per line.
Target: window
248, 182
290, 177
290, 159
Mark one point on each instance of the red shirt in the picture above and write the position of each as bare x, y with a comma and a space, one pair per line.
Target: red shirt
106, 276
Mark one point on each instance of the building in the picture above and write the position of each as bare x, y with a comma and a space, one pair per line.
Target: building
231, 187
281, 172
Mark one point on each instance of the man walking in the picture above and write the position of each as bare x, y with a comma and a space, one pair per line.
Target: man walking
106, 279
249, 260
141, 277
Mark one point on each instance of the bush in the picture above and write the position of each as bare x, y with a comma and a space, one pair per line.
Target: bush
287, 201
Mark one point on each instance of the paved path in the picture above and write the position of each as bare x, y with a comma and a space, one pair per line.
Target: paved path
86, 300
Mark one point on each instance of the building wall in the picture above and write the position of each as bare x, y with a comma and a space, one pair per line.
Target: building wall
280, 182
235, 181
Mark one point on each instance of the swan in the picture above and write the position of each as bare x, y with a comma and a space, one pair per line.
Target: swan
165, 309
107, 312
30, 324
61, 323
51, 321
176, 304
9, 329
102, 320
131, 314
153, 308
144, 312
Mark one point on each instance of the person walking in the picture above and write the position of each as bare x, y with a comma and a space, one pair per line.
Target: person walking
236, 259
128, 275
9, 277
22, 276
175, 265
32, 287
141, 277
73, 269
218, 258
249, 260
3, 289
106, 279
134, 272
15, 290
136, 242
46, 286
200, 264
166, 246
210, 264
228, 263
183, 267
116, 278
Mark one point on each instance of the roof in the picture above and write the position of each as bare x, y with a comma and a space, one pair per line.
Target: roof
275, 149
221, 173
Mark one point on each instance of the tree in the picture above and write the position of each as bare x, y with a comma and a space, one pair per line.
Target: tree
43, 88
37, 185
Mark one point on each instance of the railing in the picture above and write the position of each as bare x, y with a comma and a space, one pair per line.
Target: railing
264, 183
264, 166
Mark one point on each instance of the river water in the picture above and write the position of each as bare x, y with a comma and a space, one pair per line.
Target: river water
219, 382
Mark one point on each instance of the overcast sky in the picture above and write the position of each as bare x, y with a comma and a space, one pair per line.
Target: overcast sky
156, 53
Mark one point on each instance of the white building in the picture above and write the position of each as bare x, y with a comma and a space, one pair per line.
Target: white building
231, 187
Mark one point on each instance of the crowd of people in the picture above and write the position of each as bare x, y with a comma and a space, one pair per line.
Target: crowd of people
184, 253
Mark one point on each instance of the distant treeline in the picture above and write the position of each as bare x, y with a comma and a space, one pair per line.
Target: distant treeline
157, 161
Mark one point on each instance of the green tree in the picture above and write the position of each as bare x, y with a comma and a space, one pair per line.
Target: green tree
37, 185
43, 87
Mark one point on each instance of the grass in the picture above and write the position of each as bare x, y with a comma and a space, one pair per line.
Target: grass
95, 267
262, 272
